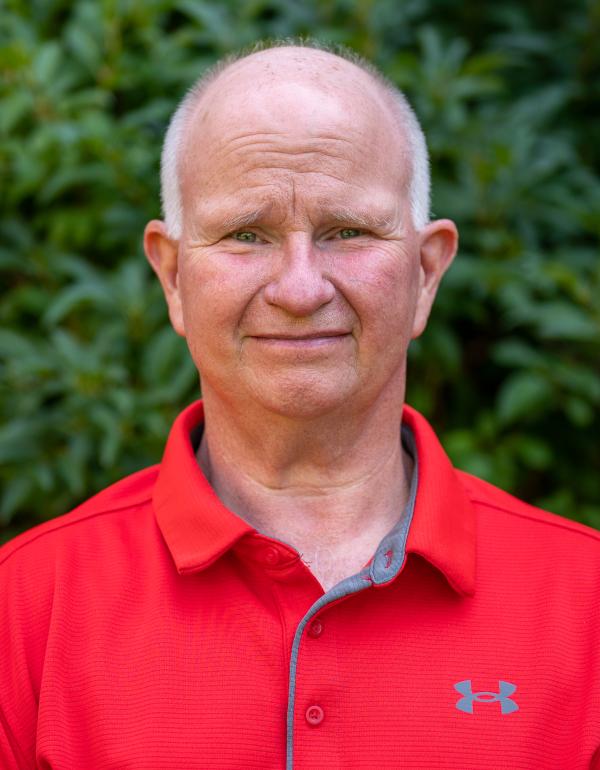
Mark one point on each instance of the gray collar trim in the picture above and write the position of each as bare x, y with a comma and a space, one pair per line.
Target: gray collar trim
391, 552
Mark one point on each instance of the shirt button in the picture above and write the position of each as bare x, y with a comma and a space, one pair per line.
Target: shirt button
314, 715
315, 629
271, 556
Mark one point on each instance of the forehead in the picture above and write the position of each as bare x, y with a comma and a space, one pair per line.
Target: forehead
259, 128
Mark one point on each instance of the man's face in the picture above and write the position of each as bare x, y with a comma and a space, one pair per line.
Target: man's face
299, 280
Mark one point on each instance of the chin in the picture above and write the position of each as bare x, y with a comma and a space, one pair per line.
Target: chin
302, 399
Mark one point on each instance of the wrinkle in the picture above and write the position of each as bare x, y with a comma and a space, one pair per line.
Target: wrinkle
292, 151
266, 139
281, 481
304, 172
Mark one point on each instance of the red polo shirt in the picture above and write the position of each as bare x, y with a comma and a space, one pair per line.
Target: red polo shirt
151, 628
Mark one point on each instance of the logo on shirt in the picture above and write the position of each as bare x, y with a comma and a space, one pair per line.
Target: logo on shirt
507, 705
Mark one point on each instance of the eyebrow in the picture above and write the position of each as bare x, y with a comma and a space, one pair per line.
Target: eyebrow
245, 218
361, 218
365, 219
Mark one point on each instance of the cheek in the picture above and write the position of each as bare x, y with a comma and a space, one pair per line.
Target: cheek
382, 287
214, 294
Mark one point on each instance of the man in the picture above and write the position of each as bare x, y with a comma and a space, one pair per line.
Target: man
305, 581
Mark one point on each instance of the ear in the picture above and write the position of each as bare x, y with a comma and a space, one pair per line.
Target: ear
162, 252
438, 242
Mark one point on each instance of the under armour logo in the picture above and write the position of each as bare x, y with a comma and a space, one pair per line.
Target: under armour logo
507, 705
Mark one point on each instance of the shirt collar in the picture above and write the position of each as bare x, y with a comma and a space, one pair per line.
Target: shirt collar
198, 528
443, 529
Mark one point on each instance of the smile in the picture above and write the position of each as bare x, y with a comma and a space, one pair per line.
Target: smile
301, 342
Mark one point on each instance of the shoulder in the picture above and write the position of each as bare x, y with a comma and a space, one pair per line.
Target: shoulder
103, 509
508, 512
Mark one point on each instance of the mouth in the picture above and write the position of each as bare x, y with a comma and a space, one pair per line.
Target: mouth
302, 337
298, 342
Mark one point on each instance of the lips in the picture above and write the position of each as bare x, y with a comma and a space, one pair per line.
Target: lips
300, 346
298, 337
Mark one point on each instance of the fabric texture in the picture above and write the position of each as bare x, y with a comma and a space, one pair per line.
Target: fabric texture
153, 629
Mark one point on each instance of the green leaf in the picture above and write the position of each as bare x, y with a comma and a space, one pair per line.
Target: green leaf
16, 492
47, 61
521, 395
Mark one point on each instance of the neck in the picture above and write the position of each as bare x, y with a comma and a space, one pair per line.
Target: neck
332, 487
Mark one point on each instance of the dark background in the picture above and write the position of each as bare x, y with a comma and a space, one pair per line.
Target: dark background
91, 376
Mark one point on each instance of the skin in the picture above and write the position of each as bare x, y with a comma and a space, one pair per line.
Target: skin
298, 283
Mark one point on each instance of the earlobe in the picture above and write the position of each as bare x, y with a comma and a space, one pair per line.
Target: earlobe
162, 254
438, 245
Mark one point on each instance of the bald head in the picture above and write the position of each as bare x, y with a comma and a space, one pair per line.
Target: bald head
296, 88
313, 67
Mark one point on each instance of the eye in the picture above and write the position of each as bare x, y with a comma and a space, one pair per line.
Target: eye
245, 236
350, 232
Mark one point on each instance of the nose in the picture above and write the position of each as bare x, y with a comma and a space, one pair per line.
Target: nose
299, 286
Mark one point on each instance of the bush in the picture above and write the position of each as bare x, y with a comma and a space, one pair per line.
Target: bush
508, 370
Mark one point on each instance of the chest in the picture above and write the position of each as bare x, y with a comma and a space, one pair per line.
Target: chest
256, 674
331, 566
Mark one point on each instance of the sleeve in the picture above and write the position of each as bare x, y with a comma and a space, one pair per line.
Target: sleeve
24, 613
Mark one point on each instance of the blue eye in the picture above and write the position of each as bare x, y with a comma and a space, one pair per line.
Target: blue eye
350, 232
245, 236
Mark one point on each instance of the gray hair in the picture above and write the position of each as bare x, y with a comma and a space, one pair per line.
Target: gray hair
172, 204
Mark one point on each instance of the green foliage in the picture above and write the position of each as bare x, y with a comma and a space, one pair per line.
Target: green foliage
509, 369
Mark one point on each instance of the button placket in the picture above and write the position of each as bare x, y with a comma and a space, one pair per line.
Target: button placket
314, 674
